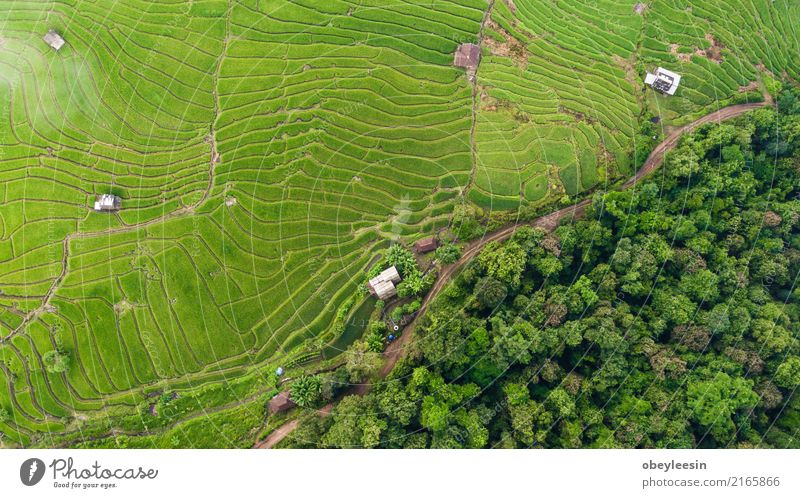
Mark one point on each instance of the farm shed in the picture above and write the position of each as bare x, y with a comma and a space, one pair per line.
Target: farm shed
664, 81
426, 245
383, 285
107, 202
468, 55
54, 40
280, 402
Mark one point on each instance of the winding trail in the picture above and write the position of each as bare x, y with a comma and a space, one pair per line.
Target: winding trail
547, 222
284, 430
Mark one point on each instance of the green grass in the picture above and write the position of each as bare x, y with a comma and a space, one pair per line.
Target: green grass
336, 124
563, 81
326, 117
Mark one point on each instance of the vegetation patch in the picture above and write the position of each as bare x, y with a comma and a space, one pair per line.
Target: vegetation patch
664, 319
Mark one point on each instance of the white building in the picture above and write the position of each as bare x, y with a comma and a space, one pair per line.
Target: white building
54, 40
107, 202
383, 285
664, 81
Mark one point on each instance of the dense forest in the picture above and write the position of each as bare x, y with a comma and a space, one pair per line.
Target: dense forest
667, 317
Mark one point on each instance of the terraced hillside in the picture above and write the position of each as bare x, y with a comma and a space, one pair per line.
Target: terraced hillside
562, 101
266, 150
262, 149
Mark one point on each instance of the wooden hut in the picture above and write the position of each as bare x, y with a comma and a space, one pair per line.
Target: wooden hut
468, 55
426, 245
280, 402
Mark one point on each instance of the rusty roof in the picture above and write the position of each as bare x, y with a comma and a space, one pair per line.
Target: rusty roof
468, 55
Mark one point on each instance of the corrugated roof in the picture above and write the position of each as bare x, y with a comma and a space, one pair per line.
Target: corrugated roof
384, 289
426, 245
280, 402
468, 55
54, 40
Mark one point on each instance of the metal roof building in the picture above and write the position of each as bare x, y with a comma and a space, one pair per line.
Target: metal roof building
383, 285
53, 39
664, 81
107, 202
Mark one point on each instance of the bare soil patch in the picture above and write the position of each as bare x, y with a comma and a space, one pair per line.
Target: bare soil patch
673, 49
511, 47
714, 52
753, 85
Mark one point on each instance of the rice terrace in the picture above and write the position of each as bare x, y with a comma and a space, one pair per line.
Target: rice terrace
198, 197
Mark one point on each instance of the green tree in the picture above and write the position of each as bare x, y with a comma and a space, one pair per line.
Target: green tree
306, 390
356, 424
715, 401
503, 262
413, 284
448, 254
56, 361
530, 421
361, 362
548, 265
490, 292
401, 258
397, 403
375, 341
332, 383
788, 373
701, 285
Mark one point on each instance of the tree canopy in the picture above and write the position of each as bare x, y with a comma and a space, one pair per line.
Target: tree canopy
667, 317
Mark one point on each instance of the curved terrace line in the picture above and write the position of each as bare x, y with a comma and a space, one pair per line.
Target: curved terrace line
548, 222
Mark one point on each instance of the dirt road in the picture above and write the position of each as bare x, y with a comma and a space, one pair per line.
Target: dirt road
547, 222
284, 430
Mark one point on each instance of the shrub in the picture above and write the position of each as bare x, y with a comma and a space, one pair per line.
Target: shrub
56, 361
448, 254
490, 292
306, 390
401, 258
375, 342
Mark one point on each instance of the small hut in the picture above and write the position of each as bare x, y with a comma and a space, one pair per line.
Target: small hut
53, 39
280, 402
663, 81
107, 202
426, 245
383, 285
468, 55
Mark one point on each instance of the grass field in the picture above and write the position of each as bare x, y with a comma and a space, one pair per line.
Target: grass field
265, 150
561, 94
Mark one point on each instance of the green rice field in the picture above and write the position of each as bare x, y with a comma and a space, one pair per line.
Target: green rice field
561, 99
266, 150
